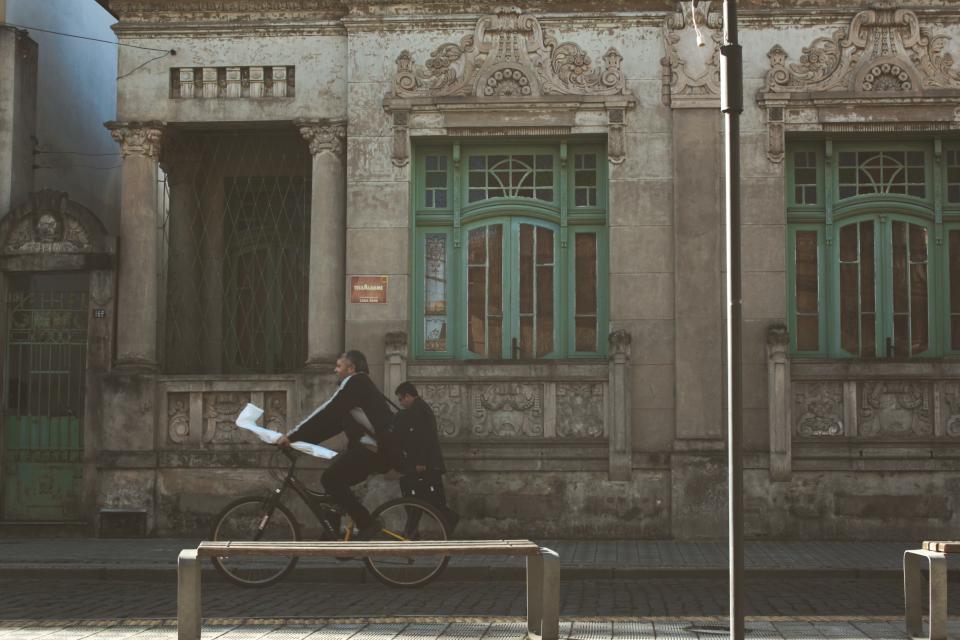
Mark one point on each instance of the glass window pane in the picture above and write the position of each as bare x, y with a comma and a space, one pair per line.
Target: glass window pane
806, 272
477, 246
849, 309
434, 333
545, 194
900, 287
526, 268
580, 198
954, 276
495, 245
544, 162
586, 274
436, 179
808, 333
440, 201
544, 246
901, 335
478, 163
848, 243
435, 274
586, 337
544, 309
919, 339
476, 310
526, 337
867, 284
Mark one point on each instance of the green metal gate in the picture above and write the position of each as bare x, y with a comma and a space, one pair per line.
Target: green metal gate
43, 396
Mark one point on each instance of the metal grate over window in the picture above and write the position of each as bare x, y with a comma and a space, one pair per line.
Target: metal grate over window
236, 229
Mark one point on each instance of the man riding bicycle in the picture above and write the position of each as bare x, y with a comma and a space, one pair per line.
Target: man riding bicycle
358, 409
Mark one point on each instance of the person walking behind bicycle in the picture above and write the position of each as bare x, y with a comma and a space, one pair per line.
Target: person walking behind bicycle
358, 409
423, 471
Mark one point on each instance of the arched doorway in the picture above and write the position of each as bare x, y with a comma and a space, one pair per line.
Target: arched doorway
57, 291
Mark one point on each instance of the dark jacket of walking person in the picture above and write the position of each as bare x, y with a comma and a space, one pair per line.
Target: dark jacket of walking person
358, 409
424, 467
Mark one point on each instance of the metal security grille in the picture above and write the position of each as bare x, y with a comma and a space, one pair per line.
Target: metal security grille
236, 223
43, 386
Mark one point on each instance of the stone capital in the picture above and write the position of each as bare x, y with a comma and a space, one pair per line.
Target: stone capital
324, 136
620, 343
396, 344
137, 138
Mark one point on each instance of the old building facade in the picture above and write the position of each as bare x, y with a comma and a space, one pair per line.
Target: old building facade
519, 209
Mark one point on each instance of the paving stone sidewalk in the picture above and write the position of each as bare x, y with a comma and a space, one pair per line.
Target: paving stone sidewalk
477, 629
579, 559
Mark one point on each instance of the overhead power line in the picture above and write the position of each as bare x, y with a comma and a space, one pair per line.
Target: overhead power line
71, 35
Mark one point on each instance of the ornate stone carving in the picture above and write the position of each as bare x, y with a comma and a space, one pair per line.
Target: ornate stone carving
445, 400
275, 410
232, 82
327, 137
580, 410
884, 57
220, 410
691, 75
396, 343
137, 138
507, 409
50, 223
895, 409
819, 408
178, 417
509, 55
883, 49
951, 402
401, 140
620, 343
778, 335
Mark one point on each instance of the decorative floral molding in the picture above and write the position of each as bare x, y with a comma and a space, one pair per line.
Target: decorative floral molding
137, 138
509, 55
895, 409
951, 402
682, 85
507, 409
50, 223
324, 136
819, 408
884, 58
580, 410
445, 400
509, 59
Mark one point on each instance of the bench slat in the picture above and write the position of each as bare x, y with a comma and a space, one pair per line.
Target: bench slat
942, 546
367, 548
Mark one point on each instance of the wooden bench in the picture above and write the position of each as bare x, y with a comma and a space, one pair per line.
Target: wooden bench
543, 571
934, 555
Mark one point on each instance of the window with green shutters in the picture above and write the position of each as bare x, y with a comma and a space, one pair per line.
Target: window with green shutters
873, 248
510, 251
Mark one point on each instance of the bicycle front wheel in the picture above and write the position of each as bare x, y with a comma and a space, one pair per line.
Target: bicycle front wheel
408, 519
255, 518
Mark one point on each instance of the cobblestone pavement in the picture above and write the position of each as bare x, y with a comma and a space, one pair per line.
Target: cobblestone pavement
36, 599
262, 629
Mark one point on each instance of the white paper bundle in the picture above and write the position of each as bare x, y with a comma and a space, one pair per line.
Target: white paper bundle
248, 420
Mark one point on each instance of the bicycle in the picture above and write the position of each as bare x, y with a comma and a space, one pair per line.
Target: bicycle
267, 518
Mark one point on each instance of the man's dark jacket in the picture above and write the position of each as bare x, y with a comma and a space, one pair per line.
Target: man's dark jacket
417, 427
357, 407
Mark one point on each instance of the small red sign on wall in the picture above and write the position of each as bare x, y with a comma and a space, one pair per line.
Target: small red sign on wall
368, 289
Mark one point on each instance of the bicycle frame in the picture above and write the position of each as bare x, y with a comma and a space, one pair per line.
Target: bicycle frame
316, 501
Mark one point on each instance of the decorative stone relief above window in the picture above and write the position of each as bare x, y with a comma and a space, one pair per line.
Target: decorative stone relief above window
509, 65
885, 68
895, 409
232, 82
691, 74
819, 408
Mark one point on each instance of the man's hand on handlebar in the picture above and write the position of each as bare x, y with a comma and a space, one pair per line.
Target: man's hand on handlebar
283, 442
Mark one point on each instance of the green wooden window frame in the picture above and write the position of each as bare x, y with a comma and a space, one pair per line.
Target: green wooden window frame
887, 251
531, 192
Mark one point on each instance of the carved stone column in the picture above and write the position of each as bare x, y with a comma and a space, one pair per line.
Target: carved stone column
139, 243
621, 442
395, 362
779, 400
325, 313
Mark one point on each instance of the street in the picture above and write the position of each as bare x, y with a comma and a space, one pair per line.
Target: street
63, 599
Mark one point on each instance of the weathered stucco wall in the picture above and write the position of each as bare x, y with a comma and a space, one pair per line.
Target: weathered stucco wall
665, 279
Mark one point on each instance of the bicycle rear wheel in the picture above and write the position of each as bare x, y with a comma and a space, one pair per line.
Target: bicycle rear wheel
249, 519
408, 519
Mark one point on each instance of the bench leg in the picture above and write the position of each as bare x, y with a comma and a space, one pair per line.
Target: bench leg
188, 595
913, 561
534, 594
550, 626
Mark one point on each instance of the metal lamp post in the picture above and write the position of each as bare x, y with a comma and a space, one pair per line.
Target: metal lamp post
731, 105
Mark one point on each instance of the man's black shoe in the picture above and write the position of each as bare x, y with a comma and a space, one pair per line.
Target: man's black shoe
371, 531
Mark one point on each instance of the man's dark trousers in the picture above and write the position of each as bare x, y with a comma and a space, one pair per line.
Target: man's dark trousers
351, 467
